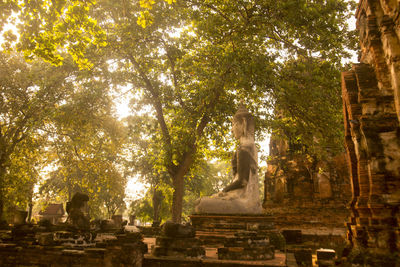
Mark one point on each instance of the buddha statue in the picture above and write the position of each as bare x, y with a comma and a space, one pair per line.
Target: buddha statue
242, 195
76, 215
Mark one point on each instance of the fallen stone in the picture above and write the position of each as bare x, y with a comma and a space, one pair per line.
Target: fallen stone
325, 254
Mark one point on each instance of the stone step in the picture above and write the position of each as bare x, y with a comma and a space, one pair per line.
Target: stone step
242, 253
228, 233
151, 261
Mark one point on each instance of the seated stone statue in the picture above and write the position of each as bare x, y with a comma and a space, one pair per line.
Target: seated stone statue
242, 195
76, 216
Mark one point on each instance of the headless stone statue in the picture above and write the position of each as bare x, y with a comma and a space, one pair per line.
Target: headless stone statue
242, 195
76, 217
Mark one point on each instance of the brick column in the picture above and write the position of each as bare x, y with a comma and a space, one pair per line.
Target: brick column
371, 107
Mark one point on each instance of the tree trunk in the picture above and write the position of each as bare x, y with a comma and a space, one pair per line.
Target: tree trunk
157, 202
1, 205
30, 204
2, 174
30, 212
179, 185
177, 199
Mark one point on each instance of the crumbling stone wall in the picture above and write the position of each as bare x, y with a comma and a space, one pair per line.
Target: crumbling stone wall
371, 101
304, 192
33, 245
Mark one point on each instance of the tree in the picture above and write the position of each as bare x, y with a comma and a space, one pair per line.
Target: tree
208, 179
49, 28
23, 173
28, 95
195, 91
204, 178
143, 163
58, 118
308, 106
85, 142
198, 58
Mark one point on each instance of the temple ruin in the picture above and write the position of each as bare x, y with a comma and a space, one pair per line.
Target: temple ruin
371, 101
348, 204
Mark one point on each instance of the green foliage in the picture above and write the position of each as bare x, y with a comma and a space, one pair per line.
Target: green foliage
145, 19
196, 60
23, 173
28, 95
144, 208
85, 141
309, 107
189, 64
47, 28
207, 179
55, 121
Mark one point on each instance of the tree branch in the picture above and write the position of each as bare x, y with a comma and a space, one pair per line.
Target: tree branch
174, 78
188, 156
155, 99
214, 9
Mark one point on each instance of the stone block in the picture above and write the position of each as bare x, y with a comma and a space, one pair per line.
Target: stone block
246, 243
64, 248
131, 237
170, 242
261, 253
73, 252
45, 239
326, 263
325, 254
195, 252
159, 251
178, 230
303, 256
149, 231
212, 229
99, 252
177, 241
292, 236
246, 234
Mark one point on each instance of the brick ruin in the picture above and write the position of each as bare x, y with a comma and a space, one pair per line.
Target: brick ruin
371, 100
59, 245
298, 185
306, 194
297, 192
303, 197
76, 242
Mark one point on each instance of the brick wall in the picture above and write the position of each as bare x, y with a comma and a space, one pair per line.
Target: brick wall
372, 134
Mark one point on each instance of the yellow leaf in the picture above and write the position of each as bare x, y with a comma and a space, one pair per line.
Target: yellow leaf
147, 3
145, 19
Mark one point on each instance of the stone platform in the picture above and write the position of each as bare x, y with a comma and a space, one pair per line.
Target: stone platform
45, 251
211, 260
247, 245
152, 261
213, 229
60, 245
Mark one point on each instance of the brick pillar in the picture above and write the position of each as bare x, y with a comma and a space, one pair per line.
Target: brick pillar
371, 105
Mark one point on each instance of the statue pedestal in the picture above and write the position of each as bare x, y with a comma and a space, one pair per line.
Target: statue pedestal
247, 245
214, 229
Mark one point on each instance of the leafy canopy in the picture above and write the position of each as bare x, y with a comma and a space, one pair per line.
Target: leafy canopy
192, 61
